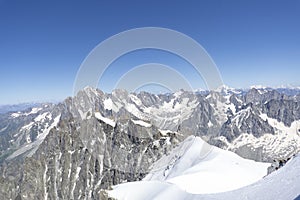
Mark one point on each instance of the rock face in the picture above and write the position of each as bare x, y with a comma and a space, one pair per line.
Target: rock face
247, 120
83, 154
94, 140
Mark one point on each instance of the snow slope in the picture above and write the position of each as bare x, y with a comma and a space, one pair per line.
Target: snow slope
105, 120
194, 167
141, 123
283, 184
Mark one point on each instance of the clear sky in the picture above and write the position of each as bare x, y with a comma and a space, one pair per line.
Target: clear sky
43, 43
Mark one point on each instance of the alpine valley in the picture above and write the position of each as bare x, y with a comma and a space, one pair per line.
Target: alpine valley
222, 144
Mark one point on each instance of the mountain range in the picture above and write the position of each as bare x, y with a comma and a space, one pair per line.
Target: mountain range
87, 144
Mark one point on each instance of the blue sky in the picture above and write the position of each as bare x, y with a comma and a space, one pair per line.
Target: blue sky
43, 43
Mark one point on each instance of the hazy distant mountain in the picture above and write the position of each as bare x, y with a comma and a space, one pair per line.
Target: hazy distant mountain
16, 107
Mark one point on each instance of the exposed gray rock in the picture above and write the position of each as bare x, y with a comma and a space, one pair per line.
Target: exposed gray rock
285, 111
246, 121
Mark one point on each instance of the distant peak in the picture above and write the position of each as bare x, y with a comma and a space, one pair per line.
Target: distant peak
258, 87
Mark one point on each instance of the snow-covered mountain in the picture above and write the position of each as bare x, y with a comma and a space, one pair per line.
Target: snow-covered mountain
92, 141
282, 185
198, 168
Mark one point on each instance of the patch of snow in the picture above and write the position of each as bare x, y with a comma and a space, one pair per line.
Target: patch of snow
84, 115
105, 120
258, 87
77, 173
156, 143
45, 182
93, 142
28, 139
108, 104
223, 139
242, 114
135, 111
178, 94
168, 142
42, 117
165, 132
209, 124
91, 91
208, 96
71, 152
27, 127
231, 106
136, 100
240, 101
15, 115
33, 111
141, 123
75, 181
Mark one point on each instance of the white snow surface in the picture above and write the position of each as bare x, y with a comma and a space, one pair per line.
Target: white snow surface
283, 184
15, 115
105, 120
194, 167
165, 132
209, 124
110, 105
141, 123
33, 111
42, 117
